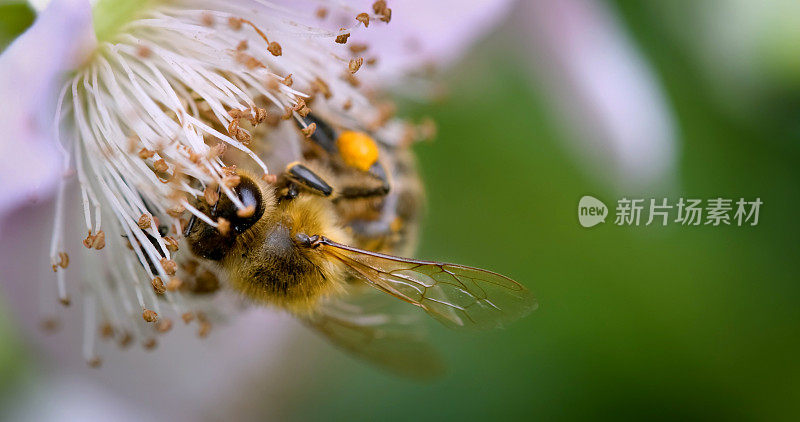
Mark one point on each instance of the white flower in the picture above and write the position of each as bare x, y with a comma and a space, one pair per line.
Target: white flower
144, 122
171, 84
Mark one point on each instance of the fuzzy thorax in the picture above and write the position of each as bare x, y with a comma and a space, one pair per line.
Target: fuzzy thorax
269, 265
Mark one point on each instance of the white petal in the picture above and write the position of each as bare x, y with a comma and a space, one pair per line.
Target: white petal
29, 71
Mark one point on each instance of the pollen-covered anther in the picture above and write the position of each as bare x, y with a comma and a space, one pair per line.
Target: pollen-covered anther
248, 61
164, 325
242, 136
237, 114
309, 130
223, 226
95, 362
88, 241
348, 104
247, 211
235, 23
231, 180
65, 301
187, 317
106, 330
275, 49
174, 284
207, 19
363, 18
229, 170
158, 286
150, 344
272, 84
63, 260
99, 240
321, 13
176, 211
387, 15
301, 108
342, 39
161, 166
145, 153
322, 87
149, 316
50, 325
269, 178
242, 46
211, 194
288, 81
172, 243
169, 266
355, 64
125, 340
258, 116
380, 8
144, 222
204, 329
358, 48
217, 150
233, 126
195, 158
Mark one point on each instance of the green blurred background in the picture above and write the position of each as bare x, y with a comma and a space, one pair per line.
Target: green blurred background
655, 323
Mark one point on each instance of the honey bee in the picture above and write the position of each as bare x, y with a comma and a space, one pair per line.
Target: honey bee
316, 246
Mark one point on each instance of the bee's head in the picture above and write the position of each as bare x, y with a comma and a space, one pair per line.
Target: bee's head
232, 219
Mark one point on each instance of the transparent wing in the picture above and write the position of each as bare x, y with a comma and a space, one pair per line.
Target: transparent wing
378, 334
456, 295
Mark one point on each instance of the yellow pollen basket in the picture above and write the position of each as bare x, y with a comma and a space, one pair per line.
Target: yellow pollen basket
357, 149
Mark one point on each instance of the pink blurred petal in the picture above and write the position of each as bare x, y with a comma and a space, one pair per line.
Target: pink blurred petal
605, 91
429, 32
420, 33
207, 373
30, 68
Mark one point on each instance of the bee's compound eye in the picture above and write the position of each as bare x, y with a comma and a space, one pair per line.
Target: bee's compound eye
249, 193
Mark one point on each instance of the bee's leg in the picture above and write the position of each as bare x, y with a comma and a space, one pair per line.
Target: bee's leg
162, 229
189, 226
289, 192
